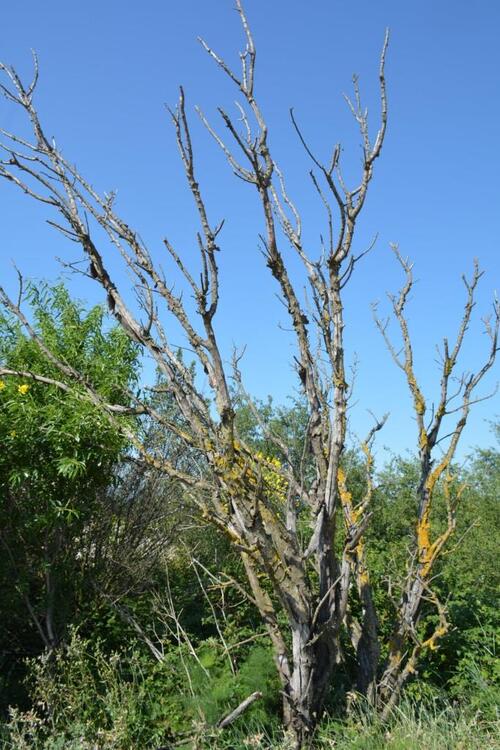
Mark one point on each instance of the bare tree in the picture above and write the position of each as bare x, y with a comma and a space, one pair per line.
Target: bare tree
403, 654
304, 584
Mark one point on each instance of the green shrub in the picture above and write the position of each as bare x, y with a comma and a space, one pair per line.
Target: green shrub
84, 697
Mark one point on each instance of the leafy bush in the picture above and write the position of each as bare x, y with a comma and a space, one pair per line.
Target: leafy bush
127, 700
82, 695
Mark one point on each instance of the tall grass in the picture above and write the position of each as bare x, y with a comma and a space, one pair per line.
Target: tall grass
412, 727
85, 699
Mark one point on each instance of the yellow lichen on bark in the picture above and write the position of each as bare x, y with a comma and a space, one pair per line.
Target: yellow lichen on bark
426, 549
430, 643
339, 380
369, 458
362, 573
423, 439
419, 404
253, 470
351, 516
275, 482
423, 539
345, 496
435, 475
418, 399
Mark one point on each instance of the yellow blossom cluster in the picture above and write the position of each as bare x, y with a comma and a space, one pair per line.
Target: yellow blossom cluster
22, 389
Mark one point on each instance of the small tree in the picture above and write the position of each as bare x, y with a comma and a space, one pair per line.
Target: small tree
300, 583
58, 460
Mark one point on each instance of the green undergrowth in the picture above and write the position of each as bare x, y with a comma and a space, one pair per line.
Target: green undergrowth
86, 699
411, 728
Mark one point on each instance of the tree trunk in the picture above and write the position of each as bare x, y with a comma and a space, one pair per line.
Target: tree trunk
314, 660
368, 648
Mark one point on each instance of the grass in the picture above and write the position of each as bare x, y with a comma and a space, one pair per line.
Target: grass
86, 700
412, 727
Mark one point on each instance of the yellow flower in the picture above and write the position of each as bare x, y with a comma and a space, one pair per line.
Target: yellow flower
23, 389
13, 433
2, 385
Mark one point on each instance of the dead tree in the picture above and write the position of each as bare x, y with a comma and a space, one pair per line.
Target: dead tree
307, 585
405, 646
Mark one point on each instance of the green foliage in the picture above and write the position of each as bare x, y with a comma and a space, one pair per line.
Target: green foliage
81, 694
58, 461
219, 687
465, 666
54, 436
87, 699
470, 581
125, 700
63, 498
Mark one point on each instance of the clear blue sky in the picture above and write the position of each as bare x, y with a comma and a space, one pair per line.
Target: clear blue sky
107, 68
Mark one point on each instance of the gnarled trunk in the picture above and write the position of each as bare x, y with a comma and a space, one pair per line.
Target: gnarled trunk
314, 661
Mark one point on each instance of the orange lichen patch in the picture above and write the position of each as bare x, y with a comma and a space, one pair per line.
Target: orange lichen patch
423, 439
345, 497
423, 538
430, 643
362, 574
364, 578
418, 399
395, 659
436, 474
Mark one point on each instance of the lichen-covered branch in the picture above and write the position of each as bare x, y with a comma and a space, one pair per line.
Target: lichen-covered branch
434, 472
